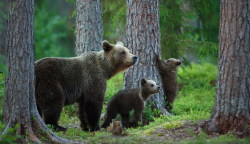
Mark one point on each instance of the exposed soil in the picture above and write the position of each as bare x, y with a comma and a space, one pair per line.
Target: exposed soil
184, 132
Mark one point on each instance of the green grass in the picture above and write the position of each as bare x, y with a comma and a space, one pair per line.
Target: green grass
196, 97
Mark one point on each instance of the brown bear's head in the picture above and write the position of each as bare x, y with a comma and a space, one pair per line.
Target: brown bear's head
149, 86
119, 55
172, 62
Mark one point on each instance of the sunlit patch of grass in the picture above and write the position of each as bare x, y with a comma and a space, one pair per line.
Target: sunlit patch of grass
171, 125
196, 95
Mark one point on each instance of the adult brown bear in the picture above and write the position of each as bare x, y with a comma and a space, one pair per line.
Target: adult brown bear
82, 79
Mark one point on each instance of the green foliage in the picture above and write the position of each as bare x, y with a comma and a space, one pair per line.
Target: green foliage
208, 12
10, 136
114, 19
171, 17
150, 113
196, 95
3, 68
181, 31
52, 35
1, 92
3, 15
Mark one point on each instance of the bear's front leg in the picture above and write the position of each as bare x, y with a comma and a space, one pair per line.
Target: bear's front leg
93, 111
83, 116
137, 118
125, 120
110, 114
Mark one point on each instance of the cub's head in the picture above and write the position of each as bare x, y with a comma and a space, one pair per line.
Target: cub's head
172, 62
119, 56
149, 86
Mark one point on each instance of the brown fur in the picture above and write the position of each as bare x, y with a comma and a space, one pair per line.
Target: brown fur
126, 100
168, 72
82, 79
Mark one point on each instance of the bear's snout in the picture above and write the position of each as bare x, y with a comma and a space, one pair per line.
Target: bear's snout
178, 63
135, 59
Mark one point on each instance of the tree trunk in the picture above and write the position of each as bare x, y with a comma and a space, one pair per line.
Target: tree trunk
88, 26
19, 101
232, 105
143, 38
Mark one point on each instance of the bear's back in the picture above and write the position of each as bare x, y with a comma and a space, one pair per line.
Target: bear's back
126, 100
72, 74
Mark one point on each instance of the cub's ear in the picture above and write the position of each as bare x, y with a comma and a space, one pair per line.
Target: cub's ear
119, 43
106, 46
143, 81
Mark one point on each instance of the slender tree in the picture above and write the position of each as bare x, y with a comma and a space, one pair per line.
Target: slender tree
19, 101
88, 26
143, 38
232, 106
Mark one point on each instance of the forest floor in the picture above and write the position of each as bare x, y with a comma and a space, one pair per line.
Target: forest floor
164, 130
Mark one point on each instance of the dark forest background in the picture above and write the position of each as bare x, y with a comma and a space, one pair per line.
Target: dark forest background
189, 28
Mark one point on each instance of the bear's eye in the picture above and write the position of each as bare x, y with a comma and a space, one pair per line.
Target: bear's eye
123, 53
168, 61
152, 85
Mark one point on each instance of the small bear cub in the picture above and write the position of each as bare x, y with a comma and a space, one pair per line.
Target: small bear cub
168, 72
126, 100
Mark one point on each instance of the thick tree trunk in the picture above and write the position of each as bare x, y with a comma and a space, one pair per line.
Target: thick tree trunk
143, 38
19, 101
232, 106
88, 26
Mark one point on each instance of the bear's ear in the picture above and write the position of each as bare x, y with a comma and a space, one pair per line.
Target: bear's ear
120, 43
106, 46
143, 81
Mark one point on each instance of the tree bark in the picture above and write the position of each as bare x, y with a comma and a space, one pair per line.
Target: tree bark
232, 106
88, 26
19, 101
143, 38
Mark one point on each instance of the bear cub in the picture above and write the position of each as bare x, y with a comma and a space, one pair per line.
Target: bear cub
168, 72
126, 100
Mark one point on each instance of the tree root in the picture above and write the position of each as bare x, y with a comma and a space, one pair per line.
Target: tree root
42, 130
239, 126
36, 129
